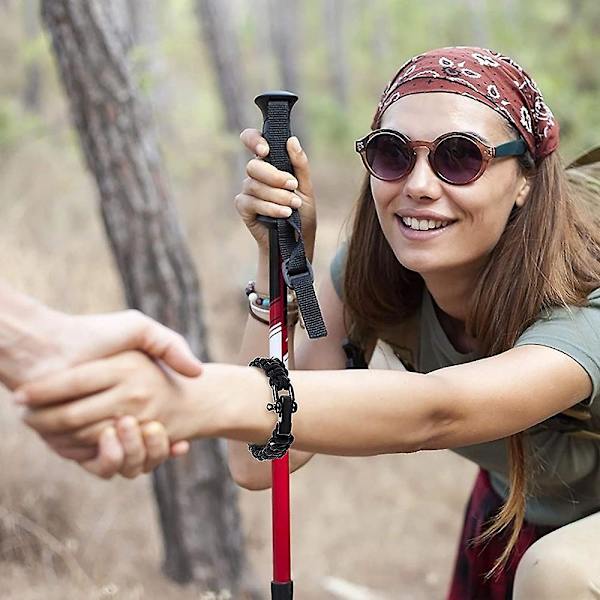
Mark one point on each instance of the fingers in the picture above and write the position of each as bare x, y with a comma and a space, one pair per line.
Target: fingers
85, 436
299, 161
180, 448
163, 343
72, 416
109, 458
253, 140
249, 207
76, 453
257, 189
76, 382
266, 173
156, 441
134, 449
130, 450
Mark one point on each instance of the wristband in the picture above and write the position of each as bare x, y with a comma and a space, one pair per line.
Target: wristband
258, 306
283, 405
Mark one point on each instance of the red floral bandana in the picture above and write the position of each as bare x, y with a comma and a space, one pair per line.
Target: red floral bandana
485, 76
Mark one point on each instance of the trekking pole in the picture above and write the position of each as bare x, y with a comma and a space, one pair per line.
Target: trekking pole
288, 268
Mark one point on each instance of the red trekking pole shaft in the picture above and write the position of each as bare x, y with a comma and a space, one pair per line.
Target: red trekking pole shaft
276, 108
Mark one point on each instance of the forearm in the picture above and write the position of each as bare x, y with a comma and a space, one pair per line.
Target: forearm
344, 413
24, 336
255, 342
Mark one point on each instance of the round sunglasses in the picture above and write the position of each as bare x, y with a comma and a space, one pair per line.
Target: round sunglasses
455, 157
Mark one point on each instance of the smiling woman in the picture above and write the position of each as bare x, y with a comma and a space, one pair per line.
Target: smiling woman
472, 276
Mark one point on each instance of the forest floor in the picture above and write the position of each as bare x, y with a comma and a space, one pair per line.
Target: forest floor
387, 525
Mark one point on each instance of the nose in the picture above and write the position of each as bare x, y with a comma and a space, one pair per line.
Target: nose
422, 183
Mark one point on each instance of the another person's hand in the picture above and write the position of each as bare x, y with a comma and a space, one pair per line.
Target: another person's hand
125, 448
272, 193
57, 341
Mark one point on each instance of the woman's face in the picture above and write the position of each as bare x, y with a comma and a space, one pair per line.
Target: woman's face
477, 212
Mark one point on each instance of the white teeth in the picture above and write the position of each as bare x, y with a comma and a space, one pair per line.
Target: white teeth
423, 224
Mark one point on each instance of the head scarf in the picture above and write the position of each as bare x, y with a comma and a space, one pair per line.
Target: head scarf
486, 76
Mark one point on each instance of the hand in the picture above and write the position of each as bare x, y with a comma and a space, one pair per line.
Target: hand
126, 448
271, 192
55, 341
71, 408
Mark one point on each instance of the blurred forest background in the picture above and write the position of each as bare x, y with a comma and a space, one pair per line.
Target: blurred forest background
371, 528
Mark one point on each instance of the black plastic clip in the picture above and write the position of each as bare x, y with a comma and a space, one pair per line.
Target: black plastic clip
289, 278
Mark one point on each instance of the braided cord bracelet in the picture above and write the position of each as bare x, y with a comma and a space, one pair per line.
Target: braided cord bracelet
283, 405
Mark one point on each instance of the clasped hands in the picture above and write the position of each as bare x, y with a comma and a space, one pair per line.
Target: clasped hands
95, 386
119, 414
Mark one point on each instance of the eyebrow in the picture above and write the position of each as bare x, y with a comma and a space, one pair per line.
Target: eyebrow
479, 137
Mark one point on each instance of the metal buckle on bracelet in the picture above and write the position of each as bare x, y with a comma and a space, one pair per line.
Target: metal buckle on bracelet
284, 404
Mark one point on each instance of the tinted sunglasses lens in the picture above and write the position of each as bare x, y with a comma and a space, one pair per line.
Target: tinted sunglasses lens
457, 159
388, 157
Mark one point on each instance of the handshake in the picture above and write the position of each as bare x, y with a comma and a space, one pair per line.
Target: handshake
102, 390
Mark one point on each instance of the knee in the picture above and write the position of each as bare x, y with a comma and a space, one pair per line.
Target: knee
550, 571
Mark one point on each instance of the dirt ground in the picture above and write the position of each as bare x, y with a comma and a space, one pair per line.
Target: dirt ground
385, 525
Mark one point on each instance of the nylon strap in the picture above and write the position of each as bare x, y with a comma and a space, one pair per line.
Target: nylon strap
297, 270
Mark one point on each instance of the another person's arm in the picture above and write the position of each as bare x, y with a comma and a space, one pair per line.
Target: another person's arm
36, 340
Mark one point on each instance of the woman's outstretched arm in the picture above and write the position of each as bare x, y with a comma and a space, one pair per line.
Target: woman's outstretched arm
346, 413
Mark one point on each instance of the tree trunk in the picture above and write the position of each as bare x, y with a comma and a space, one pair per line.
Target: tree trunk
334, 19
285, 20
196, 498
149, 64
218, 31
221, 42
33, 73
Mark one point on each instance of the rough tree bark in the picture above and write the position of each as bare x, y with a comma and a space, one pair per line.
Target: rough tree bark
196, 498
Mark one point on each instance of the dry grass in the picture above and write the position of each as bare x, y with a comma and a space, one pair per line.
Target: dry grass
388, 523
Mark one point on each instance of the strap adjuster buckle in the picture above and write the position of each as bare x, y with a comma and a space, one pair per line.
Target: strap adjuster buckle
289, 278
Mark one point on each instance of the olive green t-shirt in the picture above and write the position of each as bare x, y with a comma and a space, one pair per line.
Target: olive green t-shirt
566, 467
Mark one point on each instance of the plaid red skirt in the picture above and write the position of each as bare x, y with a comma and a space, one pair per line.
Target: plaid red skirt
474, 561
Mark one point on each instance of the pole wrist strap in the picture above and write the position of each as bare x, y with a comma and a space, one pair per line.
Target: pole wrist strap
283, 405
297, 270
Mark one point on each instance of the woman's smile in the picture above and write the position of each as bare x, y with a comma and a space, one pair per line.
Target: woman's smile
422, 229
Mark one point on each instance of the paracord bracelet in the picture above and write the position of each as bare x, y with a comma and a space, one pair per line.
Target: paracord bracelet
283, 404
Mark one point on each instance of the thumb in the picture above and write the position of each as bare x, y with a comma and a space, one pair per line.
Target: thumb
299, 161
109, 458
160, 342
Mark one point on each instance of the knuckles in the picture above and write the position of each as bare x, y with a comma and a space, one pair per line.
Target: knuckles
69, 418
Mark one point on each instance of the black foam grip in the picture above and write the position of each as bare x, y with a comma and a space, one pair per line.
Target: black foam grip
276, 108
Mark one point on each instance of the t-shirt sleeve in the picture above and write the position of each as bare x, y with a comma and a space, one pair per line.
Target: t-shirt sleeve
337, 269
576, 333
